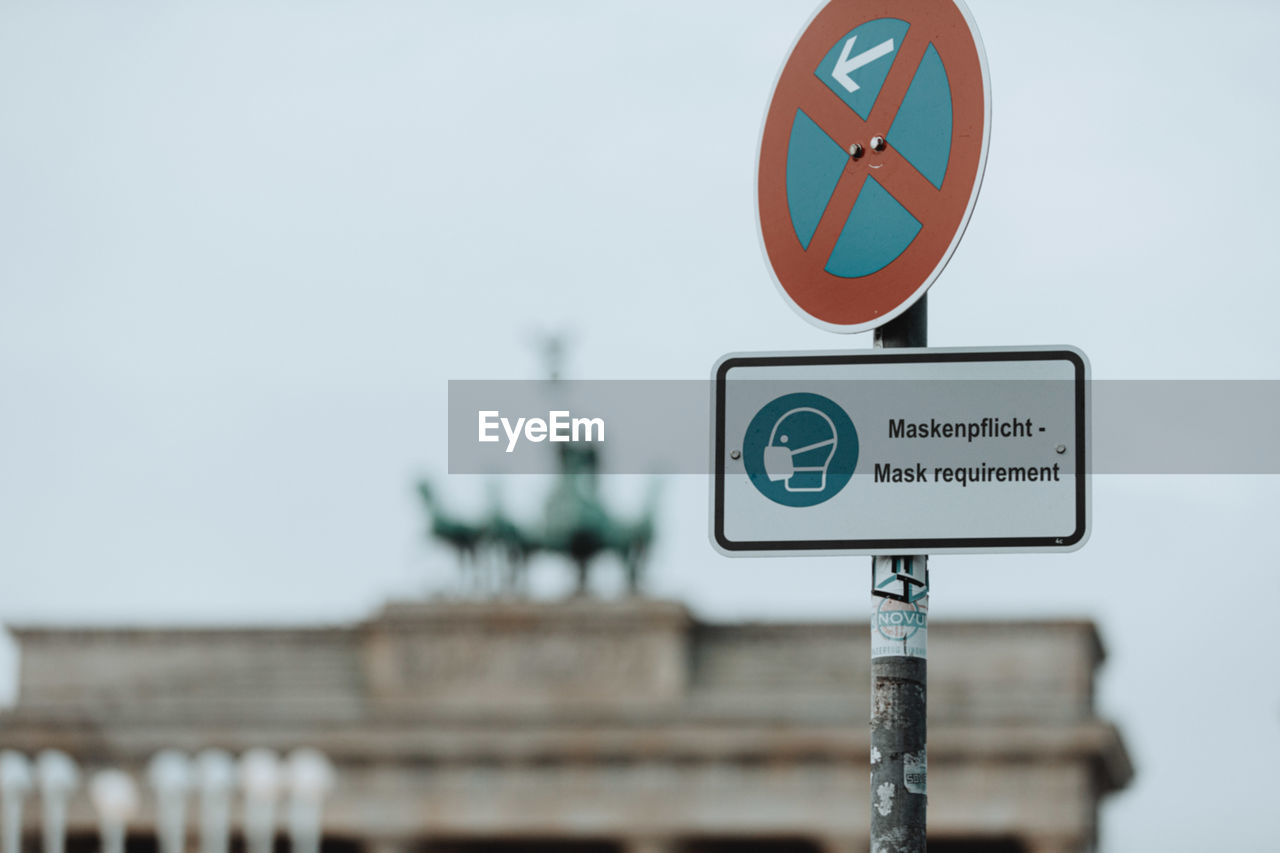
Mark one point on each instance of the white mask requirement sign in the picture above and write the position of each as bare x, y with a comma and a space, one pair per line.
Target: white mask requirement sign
901, 451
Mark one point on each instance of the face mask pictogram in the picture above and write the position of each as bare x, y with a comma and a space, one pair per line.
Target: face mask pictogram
800, 448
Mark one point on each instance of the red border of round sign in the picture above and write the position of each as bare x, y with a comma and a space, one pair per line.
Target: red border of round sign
856, 305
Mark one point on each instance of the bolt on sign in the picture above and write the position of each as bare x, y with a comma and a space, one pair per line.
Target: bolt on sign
871, 157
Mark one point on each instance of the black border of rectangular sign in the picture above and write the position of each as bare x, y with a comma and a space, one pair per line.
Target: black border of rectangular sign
922, 546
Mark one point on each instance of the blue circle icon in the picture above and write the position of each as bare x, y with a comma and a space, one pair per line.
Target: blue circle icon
800, 450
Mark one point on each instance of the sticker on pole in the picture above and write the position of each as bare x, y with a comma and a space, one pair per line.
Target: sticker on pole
899, 629
871, 157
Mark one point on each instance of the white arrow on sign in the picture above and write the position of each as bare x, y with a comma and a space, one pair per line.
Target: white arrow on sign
847, 64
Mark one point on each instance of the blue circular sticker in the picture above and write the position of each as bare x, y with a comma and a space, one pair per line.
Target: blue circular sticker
800, 450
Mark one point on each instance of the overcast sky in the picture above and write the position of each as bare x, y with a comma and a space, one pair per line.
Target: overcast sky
246, 244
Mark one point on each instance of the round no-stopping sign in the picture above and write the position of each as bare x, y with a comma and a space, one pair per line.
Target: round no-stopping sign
871, 157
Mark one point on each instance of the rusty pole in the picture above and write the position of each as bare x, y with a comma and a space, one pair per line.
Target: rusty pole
899, 630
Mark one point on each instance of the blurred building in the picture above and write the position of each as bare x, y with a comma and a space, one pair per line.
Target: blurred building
589, 725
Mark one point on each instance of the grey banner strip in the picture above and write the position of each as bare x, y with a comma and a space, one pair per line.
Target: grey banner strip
663, 426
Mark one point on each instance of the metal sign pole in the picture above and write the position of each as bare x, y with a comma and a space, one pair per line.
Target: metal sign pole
899, 631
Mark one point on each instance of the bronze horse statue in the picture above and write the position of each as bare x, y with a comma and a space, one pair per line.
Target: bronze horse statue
576, 523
